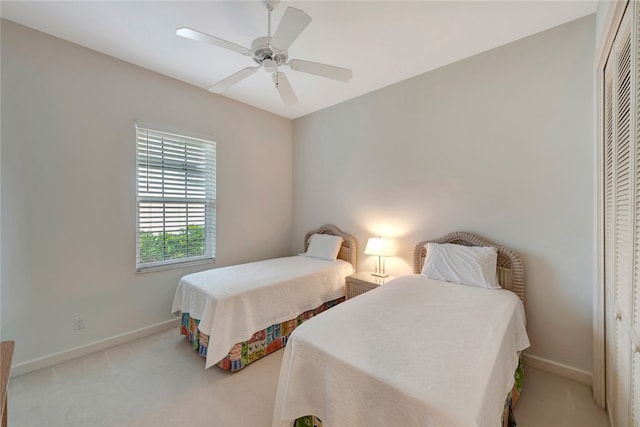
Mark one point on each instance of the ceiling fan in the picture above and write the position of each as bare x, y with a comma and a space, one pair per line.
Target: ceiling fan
271, 53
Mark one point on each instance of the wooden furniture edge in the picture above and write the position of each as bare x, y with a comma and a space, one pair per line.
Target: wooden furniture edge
6, 356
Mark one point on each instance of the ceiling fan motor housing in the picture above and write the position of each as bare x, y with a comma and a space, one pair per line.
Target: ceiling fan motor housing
262, 52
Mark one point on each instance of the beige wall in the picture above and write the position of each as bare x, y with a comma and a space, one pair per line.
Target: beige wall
68, 189
499, 144
602, 13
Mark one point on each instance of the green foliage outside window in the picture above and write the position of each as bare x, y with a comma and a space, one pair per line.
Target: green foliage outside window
185, 243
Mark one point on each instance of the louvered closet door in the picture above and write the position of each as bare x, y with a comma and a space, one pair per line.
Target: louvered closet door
624, 248
622, 220
630, 298
609, 228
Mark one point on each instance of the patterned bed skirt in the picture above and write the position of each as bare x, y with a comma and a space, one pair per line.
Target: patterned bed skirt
261, 344
508, 419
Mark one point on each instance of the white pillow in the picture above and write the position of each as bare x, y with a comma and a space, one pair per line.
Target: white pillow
467, 265
324, 246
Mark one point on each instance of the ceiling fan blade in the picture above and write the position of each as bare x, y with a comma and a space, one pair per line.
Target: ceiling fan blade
293, 22
284, 89
192, 34
322, 70
234, 78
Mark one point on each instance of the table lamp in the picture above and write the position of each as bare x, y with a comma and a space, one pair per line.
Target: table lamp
381, 248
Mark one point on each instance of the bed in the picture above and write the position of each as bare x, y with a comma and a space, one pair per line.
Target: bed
236, 315
413, 352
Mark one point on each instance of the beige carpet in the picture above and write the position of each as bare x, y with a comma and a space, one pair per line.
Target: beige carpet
161, 381
156, 381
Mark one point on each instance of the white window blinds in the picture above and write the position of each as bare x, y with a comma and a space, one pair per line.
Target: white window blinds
176, 198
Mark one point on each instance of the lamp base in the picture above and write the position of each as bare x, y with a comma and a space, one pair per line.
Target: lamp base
380, 275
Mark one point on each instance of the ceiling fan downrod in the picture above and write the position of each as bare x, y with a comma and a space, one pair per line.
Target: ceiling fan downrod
269, 5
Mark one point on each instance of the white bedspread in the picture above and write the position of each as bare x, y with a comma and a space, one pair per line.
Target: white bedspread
414, 352
234, 302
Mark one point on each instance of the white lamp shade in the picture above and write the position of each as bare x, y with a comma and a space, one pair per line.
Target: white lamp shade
379, 246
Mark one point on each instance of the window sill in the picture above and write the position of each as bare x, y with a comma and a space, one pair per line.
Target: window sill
175, 265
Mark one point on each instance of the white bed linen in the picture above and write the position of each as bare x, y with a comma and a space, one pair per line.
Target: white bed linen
234, 302
414, 352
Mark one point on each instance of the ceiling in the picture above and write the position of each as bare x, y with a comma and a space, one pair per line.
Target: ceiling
383, 42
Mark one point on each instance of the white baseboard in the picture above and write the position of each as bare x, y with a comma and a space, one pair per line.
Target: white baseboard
73, 353
560, 369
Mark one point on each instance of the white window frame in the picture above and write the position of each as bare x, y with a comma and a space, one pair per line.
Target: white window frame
171, 200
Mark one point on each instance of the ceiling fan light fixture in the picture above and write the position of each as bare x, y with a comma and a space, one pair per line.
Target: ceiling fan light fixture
270, 65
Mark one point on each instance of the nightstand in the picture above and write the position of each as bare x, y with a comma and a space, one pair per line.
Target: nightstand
362, 282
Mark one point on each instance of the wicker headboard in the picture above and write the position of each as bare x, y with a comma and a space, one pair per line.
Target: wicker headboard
510, 266
348, 250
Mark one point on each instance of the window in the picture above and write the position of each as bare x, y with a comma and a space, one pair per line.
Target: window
176, 199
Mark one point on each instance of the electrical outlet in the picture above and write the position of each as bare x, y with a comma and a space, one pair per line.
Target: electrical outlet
78, 322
